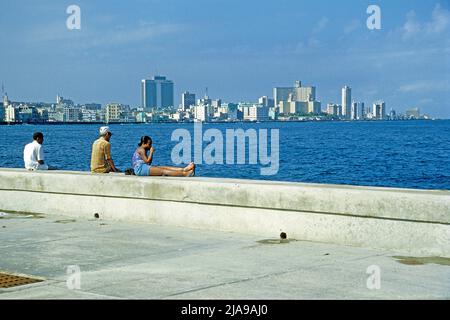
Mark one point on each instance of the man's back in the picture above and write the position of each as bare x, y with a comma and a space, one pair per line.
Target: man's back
32, 153
101, 151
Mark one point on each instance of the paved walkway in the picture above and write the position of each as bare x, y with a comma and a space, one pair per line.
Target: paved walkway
131, 260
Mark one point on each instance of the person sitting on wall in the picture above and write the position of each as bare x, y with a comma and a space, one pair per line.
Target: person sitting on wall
143, 157
33, 154
101, 161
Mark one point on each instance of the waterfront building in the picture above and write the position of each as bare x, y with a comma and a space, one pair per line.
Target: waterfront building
187, 100
157, 93
27, 114
379, 110
43, 114
293, 107
346, 102
233, 112
201, 113
88, 115
334, 109
314, 107
71, 114
92, 106
296, 93
361, 111
266, 101
367, 112
11, 114
2, 112
259, 113
113, 112
273, 113
254, 112
55, 116
141, 117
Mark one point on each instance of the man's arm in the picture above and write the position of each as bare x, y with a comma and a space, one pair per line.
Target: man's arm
40, 155
108, 158
111, 165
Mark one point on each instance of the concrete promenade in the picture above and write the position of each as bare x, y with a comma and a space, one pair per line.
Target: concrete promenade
189, 238
140, 260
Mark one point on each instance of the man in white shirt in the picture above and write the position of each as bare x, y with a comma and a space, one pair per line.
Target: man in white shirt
33, 154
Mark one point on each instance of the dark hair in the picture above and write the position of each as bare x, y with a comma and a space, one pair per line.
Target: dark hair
144, 140
38, 135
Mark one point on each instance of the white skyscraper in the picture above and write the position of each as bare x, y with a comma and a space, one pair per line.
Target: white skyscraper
354, 112
295, 93
346, 102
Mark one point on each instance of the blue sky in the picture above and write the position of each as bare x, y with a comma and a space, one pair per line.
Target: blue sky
238, 49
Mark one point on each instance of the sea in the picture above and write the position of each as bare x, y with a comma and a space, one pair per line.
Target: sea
404, 154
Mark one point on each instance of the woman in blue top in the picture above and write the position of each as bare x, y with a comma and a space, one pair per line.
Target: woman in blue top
142, 159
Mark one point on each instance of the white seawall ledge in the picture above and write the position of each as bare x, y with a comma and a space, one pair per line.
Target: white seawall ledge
413, 221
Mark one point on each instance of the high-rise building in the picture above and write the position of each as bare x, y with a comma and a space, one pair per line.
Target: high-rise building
157, 92
296, 93
346, 102
187, 100
266, 101
334, 109
361, 111
354, 111
379, 110
2, 112
314, 107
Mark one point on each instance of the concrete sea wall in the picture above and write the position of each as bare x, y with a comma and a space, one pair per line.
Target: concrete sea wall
416, 222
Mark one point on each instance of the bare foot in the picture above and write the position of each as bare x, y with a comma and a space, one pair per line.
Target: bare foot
189, 173
189, 167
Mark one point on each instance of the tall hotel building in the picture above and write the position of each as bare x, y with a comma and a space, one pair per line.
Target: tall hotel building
157, 92
347, 102
296, 93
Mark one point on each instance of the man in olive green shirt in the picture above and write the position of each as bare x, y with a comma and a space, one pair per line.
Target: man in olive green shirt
101, 161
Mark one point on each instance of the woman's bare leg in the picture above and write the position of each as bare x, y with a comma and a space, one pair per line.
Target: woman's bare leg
171, 168
160, 171
189, 167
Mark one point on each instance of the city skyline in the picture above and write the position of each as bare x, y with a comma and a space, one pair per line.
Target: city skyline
328, 46
296, 103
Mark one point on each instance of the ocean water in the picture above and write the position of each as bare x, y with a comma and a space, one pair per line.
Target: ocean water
405, 154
